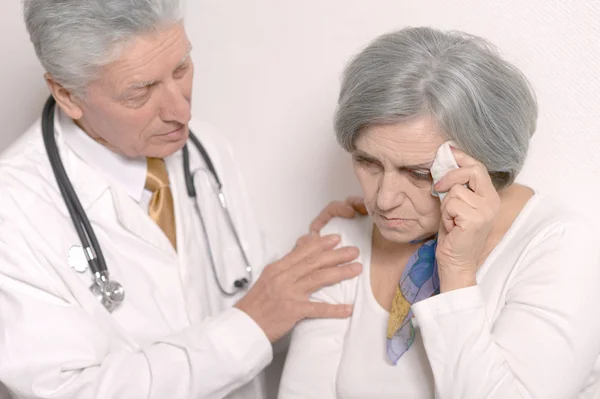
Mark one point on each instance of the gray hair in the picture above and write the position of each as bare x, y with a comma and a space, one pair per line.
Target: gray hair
483, 103
74, 38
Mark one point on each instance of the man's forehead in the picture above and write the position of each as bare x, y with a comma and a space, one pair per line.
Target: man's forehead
148, 57
134, 82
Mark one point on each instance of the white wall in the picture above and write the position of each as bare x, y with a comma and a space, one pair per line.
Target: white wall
22, 89
268, 73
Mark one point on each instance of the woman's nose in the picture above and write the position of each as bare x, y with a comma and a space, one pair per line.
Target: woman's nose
391, 193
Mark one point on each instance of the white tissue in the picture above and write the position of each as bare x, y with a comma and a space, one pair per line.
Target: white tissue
443, 163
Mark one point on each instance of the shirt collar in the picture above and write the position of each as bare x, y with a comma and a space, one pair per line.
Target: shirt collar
124, 172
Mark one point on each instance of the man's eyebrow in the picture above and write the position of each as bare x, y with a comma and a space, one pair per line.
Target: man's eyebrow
141, 85
185, 57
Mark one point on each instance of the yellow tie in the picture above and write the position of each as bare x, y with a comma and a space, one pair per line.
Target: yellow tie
161, 208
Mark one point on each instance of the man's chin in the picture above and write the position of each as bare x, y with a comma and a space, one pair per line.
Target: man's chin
166, 146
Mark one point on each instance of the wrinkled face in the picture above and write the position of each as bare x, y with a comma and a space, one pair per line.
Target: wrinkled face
392, 165
140, 105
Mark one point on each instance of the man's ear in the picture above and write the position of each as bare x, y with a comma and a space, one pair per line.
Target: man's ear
67, 101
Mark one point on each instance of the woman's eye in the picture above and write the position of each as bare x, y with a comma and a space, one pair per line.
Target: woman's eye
421, 175
366, 162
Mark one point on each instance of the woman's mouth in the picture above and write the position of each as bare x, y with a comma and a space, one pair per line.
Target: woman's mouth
390, 222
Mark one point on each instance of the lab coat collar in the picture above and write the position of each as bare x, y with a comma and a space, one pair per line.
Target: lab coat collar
91, 181
128, 173
88, 182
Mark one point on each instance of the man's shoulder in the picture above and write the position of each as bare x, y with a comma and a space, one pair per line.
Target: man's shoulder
23, 168
214, 141
25, 153
208, 134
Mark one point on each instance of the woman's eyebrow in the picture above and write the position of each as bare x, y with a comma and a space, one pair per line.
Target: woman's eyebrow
363, 154
423, 165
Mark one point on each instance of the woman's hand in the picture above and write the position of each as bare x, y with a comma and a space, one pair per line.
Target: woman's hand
468, 215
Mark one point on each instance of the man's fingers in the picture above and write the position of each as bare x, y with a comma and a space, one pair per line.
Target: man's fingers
336, 208
319, 310
358, 204
320, 260
323, 277
304, 240
310, 245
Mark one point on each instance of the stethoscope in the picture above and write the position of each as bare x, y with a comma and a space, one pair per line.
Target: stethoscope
110, 292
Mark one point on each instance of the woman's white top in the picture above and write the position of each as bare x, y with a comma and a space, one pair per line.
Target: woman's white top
530, 328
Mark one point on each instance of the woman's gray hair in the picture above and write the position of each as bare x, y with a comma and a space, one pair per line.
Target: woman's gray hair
74, 38
483, 103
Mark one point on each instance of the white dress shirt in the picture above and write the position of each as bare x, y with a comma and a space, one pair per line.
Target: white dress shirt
529, 329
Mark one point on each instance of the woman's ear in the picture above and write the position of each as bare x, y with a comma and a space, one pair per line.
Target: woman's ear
64, 98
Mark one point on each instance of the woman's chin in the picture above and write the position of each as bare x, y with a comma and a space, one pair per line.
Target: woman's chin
403, 235
399, 236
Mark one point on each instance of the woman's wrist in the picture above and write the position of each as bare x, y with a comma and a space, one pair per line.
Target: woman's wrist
453, 279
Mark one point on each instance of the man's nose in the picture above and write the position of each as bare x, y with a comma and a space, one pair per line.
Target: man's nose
176, 105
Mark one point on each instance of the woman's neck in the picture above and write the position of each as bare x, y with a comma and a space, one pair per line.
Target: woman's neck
385, 249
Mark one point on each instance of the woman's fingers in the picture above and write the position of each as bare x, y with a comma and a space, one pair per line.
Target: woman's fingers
456, 212
471, 173
465, 195
476, 178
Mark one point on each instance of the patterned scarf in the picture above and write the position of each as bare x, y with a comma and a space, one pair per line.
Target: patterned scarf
420, 280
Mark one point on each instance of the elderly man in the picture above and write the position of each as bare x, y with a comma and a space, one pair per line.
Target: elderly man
101, 191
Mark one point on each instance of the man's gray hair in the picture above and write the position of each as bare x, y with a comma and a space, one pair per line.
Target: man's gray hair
483, 103
74, 38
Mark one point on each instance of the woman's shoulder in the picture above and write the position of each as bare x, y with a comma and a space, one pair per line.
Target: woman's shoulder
544, 215
353, 232
548, 234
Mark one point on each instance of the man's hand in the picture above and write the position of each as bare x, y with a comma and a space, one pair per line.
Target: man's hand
345, 209
280, 297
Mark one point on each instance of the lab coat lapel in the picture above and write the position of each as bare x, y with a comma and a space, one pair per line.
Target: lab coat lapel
133, 218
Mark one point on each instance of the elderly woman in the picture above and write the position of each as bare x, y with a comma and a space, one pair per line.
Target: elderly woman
492, 292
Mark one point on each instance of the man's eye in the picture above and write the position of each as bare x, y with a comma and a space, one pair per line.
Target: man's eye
139, 97
180, 72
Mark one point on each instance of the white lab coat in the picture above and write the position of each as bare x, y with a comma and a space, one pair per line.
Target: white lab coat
175, 335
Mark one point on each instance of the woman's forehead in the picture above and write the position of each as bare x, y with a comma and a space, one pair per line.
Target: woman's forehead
411, 142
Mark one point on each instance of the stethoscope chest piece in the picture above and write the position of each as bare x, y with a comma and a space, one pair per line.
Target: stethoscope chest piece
77, 259
109, 292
